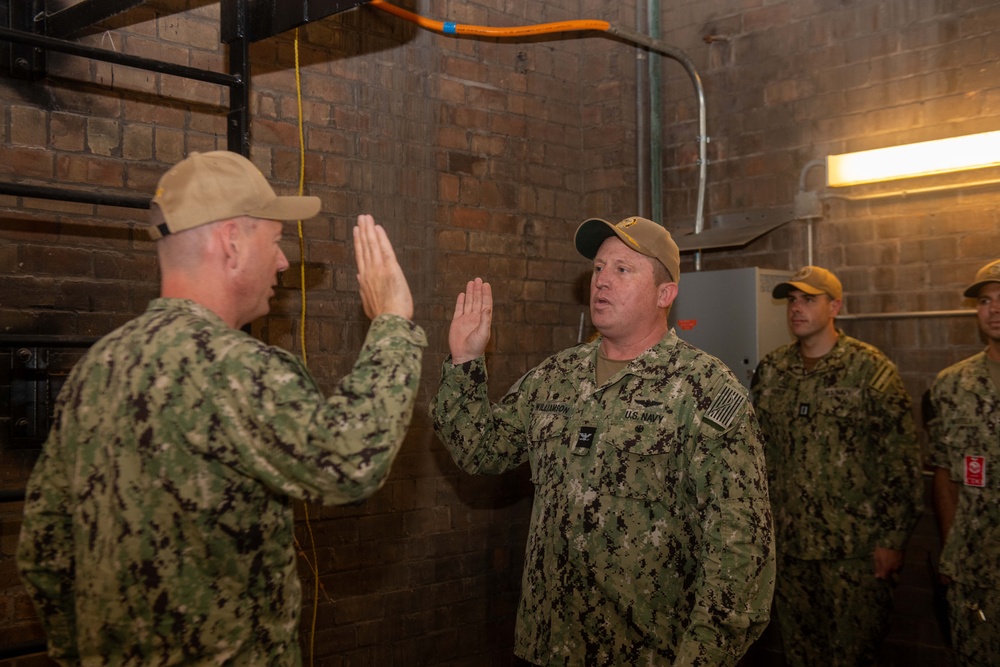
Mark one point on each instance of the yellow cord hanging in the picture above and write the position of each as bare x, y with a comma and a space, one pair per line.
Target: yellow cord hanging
302, 341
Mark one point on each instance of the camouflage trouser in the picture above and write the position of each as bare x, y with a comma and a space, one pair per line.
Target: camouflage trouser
831, 612
975, 625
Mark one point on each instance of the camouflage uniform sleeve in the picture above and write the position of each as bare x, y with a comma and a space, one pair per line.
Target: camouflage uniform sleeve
45, 551
937, 454
734, 593
335, 450
482, 438
900, 498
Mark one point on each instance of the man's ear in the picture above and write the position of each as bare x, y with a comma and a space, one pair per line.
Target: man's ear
666, 293
229, 241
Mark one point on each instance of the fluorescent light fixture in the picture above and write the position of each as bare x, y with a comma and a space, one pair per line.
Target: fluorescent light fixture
972, 151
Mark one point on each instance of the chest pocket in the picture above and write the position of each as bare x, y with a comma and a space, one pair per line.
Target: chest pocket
549, 433
841, 403
773, 400
640, 455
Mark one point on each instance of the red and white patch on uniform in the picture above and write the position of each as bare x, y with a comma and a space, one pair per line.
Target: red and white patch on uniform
975, 471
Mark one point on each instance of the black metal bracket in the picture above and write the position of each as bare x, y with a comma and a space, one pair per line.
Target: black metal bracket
29, 39
268, 18
38, 367
29, 405
25, 61
75, 18
31, 32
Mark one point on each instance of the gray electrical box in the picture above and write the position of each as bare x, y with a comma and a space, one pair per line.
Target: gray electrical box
731, 315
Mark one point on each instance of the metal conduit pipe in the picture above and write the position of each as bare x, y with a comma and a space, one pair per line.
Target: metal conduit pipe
913, 314
451, 28
643, 141
681, 57
907, 315
78, 196
655, 117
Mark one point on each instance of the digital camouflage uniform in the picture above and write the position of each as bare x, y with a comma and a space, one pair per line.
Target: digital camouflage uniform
966, 434
843, 466
651, 539
158, 528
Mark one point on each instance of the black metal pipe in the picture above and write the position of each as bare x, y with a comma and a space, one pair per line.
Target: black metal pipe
46, 340
79, 196
71, 20
73, 48
23, 649
238, 120
11, 496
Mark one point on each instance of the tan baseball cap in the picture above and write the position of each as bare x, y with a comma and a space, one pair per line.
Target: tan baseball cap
220, 185
988, 274
811, 280
642, 235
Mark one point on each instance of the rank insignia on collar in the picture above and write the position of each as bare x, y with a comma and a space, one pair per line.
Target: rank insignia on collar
584, 440
803, 409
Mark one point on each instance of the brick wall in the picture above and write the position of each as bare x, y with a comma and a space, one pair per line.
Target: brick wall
791, 82
480, 156
466, 150
788, 83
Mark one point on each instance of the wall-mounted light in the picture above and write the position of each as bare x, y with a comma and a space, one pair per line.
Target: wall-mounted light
972, 151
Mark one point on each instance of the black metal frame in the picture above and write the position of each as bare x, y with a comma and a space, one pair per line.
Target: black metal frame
33, 342
273, 17
28, 56
68, 22
35, 377
28, 60
32, 34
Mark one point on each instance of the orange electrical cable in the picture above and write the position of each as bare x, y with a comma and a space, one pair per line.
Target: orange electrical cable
450, 28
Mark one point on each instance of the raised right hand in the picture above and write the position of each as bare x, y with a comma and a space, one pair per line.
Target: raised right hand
470, 325
380, 277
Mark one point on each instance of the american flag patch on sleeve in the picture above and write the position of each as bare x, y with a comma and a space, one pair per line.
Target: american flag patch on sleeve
724, 408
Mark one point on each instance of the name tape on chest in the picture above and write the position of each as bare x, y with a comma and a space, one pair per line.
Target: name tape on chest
725, 407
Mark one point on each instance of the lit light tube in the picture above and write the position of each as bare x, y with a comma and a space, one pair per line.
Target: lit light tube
973, 151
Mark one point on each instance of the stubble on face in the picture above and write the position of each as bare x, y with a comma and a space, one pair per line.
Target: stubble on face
265, 260
624, 296
809, 315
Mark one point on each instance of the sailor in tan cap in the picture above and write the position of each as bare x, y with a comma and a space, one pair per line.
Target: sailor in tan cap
158, 526
651, 535
843, 465
965, 450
